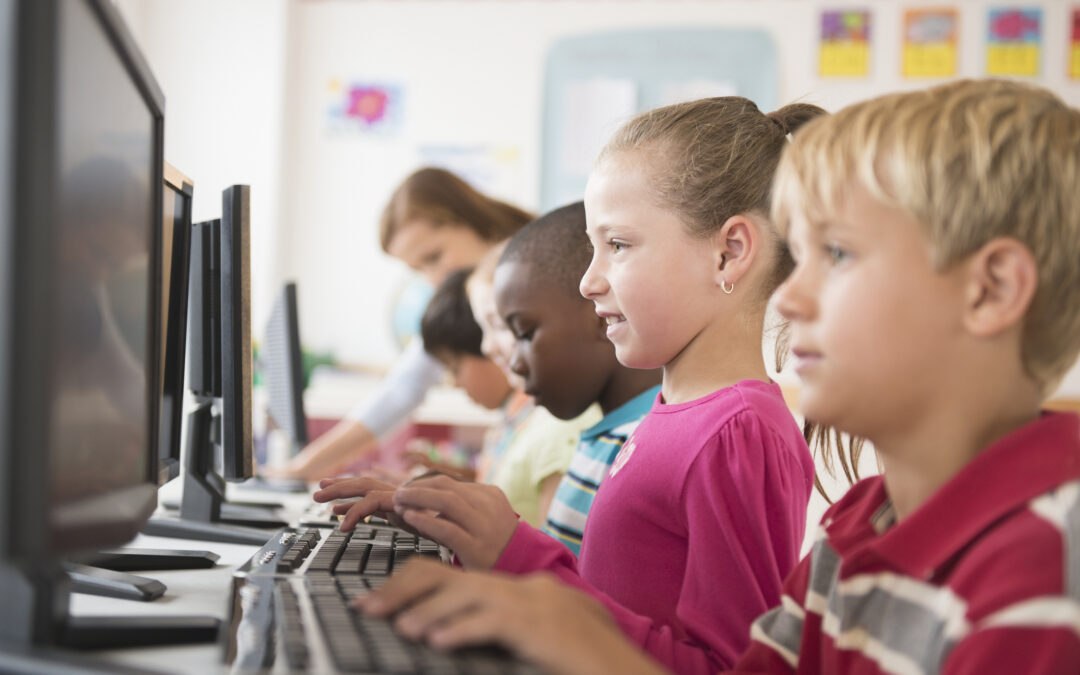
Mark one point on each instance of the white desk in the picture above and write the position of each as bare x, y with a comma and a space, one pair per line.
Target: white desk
189, 592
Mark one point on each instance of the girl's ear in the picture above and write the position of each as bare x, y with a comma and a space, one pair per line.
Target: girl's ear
735, 245
1002, 277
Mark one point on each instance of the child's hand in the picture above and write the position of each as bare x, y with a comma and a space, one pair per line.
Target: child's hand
538, 618
475, 521
375, 498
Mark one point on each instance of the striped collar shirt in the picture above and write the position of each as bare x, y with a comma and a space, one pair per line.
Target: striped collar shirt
982, 578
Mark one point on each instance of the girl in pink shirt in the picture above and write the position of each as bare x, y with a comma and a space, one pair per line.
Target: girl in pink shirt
702, 514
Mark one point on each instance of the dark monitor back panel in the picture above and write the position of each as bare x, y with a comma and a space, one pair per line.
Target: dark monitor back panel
175, 265
204, 311
236, 367
283, 367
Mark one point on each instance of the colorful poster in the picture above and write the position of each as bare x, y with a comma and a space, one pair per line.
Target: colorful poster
1015, 41
1074, 46
365, 107
930, 42
845, 43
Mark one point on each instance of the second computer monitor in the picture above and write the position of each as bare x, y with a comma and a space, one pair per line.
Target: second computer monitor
283, 368
236, 370
175, 255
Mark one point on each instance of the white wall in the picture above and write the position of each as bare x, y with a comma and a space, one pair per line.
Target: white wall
221, 65
247, 87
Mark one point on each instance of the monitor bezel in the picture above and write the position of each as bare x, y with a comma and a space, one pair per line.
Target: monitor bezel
28, 339
170, 429
235, 313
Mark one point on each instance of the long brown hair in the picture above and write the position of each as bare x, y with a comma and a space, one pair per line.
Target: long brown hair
715, 158
442, 198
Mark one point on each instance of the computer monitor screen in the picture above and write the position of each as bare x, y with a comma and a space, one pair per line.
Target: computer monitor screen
283, 368
109, 178
236, 372
175, 255
78, 449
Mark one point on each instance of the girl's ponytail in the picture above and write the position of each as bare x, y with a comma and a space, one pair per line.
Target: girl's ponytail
791, 117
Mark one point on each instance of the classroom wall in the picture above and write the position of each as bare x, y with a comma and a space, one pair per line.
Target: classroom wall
471, 74
221, 64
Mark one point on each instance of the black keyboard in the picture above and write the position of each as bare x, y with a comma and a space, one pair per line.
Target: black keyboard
368, 551
284, 623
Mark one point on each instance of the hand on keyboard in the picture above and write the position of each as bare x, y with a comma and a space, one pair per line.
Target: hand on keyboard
376, 498
537, 617
475, 521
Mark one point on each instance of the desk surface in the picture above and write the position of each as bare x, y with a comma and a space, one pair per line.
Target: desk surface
189, 592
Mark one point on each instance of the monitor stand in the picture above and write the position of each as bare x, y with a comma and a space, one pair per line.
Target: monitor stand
37, 601
99, 581
201, 514
103, 573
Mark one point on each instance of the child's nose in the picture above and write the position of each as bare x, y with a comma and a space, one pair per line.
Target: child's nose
592, 283
792, 298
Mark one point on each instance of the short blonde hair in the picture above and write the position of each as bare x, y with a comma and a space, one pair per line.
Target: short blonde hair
971, 161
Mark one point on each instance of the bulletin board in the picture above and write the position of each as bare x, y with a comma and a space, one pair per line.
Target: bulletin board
593, 83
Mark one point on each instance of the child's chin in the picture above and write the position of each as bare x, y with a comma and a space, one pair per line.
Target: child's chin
630, 359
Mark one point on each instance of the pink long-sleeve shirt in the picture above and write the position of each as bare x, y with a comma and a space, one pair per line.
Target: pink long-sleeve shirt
695, 527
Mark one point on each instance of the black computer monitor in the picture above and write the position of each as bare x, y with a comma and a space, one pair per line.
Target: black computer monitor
283, 368
236, 372
175, 263
219, 436
81, 139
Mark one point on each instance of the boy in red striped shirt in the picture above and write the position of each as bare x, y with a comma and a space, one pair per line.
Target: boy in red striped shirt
934, 306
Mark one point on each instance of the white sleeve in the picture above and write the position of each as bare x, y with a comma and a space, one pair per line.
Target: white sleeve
403, 389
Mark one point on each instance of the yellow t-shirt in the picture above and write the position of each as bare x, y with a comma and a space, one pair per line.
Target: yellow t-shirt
543, 445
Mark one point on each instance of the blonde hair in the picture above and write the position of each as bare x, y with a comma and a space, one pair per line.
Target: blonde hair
971, 161
444, 199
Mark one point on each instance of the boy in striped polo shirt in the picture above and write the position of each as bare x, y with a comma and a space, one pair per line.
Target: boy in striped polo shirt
562, 353
934, 306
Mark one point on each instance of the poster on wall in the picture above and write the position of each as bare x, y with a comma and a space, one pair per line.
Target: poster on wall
845, 43
1074, 46
366, 108
930, 42
1014, 43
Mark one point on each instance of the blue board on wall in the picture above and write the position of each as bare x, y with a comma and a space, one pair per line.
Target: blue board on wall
593, 82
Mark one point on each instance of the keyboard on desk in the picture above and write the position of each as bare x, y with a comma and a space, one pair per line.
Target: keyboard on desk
369, 550
290, 609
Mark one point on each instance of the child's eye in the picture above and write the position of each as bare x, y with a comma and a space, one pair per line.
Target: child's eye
616, 245
836, 254
522, 334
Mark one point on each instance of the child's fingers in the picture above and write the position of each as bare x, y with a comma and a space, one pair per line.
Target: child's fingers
373, 502
349, 487
481, 626
448, 533
452, 504
415, 580
343, 507
438, 481
445, 603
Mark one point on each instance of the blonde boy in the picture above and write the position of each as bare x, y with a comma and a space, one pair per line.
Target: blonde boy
934, 306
